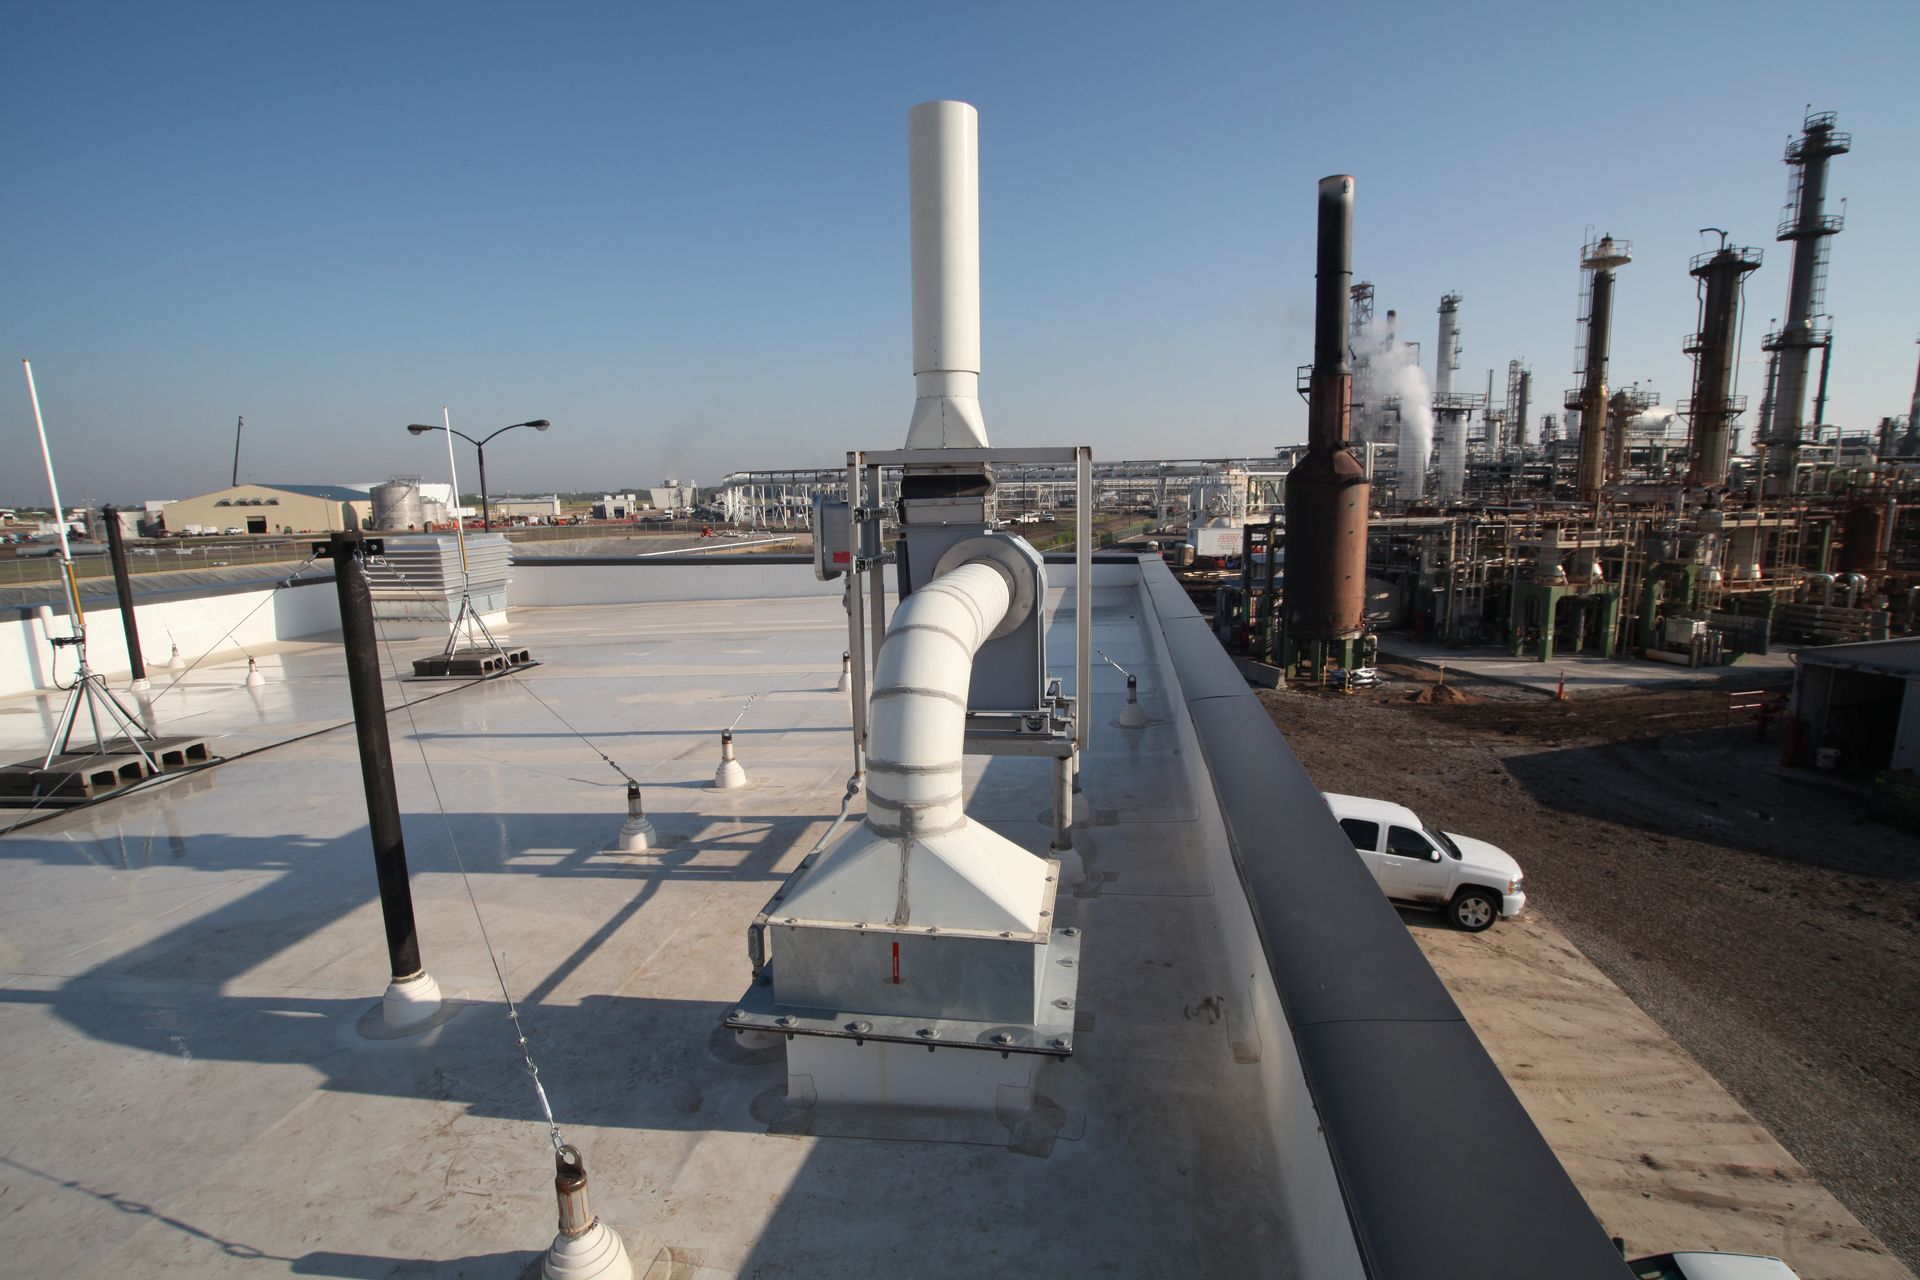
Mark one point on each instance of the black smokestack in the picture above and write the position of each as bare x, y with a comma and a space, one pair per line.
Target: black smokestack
1327, 490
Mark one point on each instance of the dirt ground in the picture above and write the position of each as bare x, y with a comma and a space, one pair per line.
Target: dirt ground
1755, 912
1664, 1156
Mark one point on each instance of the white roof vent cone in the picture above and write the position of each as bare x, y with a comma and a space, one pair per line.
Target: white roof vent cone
410, 1002
919, 859
636, 833
729, 775
943, 143
255, 679
846, 672
585, 1247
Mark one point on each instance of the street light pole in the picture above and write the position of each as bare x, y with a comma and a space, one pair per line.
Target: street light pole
480, 447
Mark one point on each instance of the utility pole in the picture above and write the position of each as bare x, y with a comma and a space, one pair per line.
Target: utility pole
238, 423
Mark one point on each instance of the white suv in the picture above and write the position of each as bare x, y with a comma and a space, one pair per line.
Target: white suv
1474, 882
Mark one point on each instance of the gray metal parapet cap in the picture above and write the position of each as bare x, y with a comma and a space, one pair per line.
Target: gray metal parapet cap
1423, 1131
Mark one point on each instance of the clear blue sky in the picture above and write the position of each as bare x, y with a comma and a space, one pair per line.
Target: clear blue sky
679, 231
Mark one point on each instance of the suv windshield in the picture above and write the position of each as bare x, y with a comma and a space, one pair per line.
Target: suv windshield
1444, 840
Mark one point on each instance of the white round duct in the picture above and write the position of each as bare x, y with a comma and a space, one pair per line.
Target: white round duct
1015, 560
918, 859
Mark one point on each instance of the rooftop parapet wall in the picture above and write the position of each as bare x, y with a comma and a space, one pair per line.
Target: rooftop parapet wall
1389, 1119
212, 621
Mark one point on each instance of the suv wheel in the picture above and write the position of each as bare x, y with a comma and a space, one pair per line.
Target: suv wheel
1474, 910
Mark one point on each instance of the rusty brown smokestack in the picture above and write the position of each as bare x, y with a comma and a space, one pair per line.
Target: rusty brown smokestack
1327, 488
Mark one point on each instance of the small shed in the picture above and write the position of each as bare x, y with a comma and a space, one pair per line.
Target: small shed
1860, 700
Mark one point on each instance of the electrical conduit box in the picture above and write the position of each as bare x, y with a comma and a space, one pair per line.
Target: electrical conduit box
833, 538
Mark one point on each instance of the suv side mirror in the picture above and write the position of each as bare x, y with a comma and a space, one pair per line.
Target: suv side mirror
1433, 855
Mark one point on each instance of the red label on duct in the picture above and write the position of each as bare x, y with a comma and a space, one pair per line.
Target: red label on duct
896, 964
842, 557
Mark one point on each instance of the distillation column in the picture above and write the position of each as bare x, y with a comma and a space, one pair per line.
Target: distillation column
1326, 500
1807, 226
1715, 351
1518, 402
1599, 260
1913, 406
1450, 411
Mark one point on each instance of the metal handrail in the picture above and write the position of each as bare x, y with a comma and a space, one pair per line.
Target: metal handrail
1826, 224
1744, 253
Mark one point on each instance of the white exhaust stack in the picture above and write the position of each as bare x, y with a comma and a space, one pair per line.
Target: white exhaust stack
943, 143
915, 961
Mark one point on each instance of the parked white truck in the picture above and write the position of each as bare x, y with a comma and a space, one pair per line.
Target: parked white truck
1474, 882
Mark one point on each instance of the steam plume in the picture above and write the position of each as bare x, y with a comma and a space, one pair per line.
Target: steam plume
1396, 377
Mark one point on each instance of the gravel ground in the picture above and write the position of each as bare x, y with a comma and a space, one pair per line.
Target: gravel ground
1755, 912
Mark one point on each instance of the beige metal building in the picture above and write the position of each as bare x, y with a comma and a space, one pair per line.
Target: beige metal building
547, 508
271, 508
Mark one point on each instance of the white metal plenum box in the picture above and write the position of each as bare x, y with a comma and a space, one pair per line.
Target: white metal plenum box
420, 575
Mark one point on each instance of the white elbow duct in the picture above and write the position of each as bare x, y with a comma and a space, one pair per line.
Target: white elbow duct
918, 859
943, 141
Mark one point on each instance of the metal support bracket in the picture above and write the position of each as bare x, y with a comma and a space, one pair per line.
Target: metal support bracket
366, 546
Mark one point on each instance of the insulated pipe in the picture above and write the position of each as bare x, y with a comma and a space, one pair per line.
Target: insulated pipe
919, 718
943, 140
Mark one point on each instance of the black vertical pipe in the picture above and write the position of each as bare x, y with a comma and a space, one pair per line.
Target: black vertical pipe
376, 754
123, 584
486, 512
